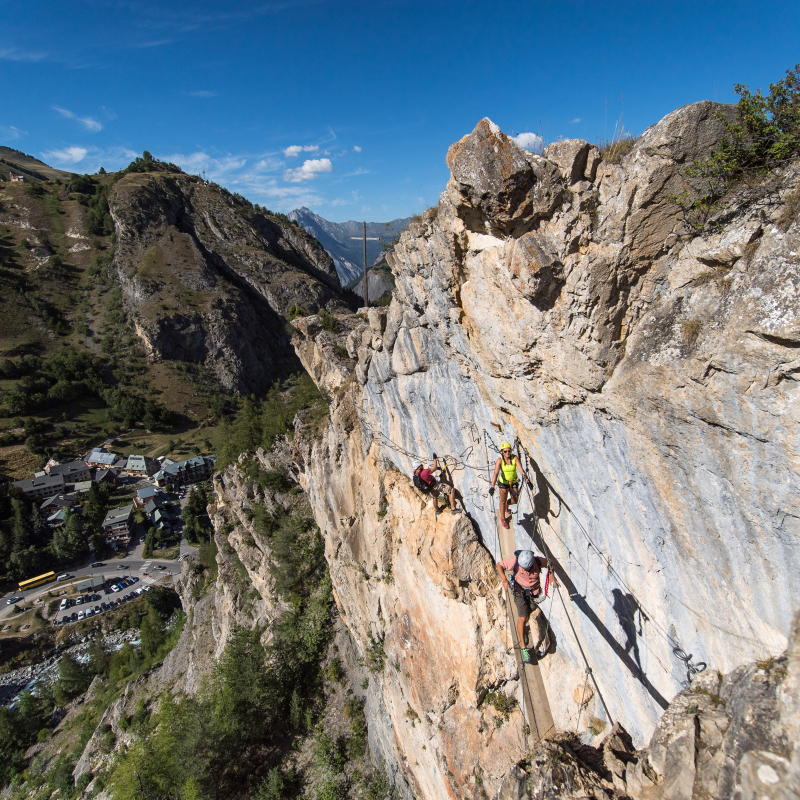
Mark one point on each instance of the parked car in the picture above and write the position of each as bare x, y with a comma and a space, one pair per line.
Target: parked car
147, 588
86, 598
74, 616
81, 614
63, 576
135, 579
104, 606
64, 604
79, 601
115, 588
89, 612
97, 609
12, 600
95, 597
65, 619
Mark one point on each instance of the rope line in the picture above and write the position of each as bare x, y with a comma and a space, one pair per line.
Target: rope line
461, 462
671, 641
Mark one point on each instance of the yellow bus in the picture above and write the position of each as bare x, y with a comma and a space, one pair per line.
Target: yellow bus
31, 582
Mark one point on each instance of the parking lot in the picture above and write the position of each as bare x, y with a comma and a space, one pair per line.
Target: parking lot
89, 605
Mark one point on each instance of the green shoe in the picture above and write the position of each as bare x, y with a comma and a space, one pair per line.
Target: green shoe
526, 656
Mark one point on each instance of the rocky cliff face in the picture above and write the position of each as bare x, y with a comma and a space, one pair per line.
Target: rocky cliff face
647, 375
206, 278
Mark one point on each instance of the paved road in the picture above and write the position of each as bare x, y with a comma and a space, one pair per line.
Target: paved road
133, 563
133, 567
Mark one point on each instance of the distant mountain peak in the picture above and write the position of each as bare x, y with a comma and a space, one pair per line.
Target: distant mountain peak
337, 238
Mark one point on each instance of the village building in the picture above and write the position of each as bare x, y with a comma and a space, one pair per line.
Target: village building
183, 472
101, 459
72, 471
140, 465
41, 487
57, 501
105, 476
117, 526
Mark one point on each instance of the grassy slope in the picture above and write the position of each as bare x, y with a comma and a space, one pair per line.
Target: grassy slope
20, 163
84, 298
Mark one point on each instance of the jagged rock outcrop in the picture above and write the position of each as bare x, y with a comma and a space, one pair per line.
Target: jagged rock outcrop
650, 373
732, 736
209, 280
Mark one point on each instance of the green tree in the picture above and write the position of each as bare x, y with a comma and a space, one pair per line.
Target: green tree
73, 680
152, 633
71, 540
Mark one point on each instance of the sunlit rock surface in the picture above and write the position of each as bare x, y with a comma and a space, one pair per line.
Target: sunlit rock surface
651, 375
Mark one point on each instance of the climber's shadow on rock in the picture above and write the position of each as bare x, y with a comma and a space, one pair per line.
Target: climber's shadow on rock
625, 605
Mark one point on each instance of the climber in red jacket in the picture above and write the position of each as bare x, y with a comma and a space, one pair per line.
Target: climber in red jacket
428, 483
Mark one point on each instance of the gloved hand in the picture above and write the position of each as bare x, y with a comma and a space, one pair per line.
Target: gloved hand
491, 491
435, 456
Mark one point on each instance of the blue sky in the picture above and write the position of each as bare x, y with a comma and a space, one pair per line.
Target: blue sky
349, 107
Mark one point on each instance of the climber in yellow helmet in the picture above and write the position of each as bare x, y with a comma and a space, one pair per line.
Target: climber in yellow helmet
506, 470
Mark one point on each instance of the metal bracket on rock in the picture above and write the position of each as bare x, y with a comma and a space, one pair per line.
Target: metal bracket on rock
691, 669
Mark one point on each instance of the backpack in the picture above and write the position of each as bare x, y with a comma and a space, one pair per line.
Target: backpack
419, 483
514, 587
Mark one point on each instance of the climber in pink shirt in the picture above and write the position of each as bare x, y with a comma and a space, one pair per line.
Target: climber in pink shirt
526, 590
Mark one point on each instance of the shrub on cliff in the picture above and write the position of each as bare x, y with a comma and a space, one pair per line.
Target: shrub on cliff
764, 136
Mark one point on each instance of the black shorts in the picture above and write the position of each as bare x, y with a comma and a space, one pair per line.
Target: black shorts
512, 486
524, 603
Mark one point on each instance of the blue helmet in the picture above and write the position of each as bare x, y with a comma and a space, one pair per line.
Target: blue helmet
525, 559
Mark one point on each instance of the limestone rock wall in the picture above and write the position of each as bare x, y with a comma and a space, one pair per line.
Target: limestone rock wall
649, 374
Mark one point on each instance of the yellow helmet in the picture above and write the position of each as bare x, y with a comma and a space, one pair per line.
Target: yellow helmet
505, 446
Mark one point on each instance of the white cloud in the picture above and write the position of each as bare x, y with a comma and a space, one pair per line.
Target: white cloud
91, 158
14, 54
356, 148
309, 170
8, 133
528, 141
346, 201
69, 155
216, 169
90, 124
295, 149
573, 121
202, 93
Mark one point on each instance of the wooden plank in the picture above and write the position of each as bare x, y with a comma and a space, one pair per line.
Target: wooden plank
537, 706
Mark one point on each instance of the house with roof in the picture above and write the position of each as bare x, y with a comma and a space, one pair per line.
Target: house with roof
105, 476
73, 471
142, 466
117, 526
56, 519
147, 493
101, 459
82, 486
41, 487
57, 501
183, 472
